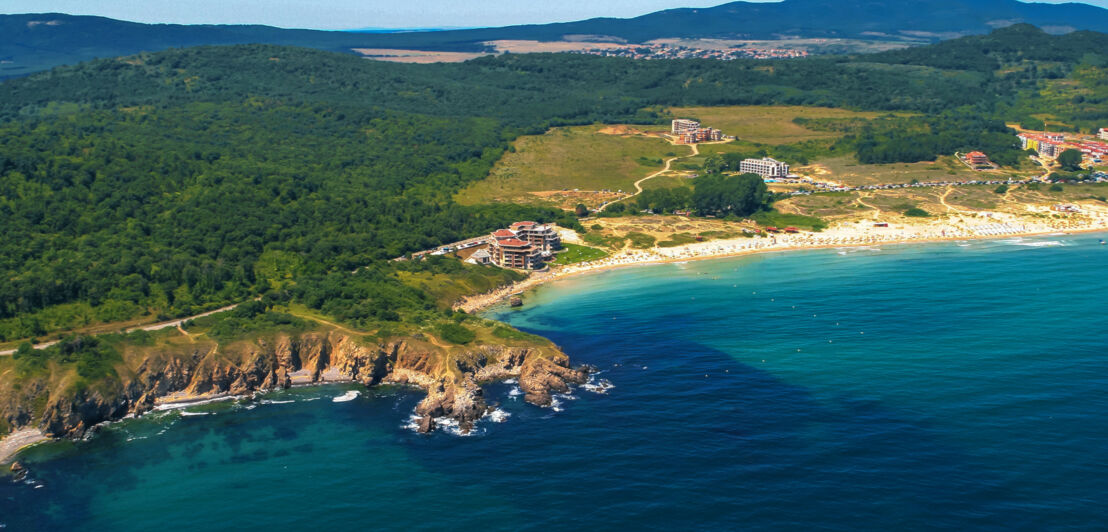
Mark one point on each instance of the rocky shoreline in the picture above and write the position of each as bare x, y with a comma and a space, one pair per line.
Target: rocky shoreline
453, 378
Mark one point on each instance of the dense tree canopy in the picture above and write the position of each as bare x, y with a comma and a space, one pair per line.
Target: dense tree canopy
192, 178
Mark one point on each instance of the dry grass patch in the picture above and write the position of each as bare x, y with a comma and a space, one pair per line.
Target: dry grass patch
768, 124
569, 158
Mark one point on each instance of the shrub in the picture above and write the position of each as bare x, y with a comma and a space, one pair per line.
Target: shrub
512, 334
1002, 189
456, 334
916, 212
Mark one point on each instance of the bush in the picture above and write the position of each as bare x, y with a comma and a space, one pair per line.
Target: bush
1056, 188
512, 334
1002, 189
456, 334
641, 240
916, 212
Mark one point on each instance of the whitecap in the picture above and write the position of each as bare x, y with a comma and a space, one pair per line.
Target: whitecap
412, 424
1046, 244
515, 392
498, 416
186, 404
601, 386
348, 396
189, 414
275, 402
556, 401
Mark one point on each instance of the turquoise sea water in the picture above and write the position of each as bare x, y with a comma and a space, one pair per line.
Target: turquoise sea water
939, 386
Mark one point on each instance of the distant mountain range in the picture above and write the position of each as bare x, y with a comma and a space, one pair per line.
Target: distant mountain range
34, 42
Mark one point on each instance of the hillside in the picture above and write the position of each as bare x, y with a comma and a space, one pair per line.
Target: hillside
239, 167
35, 42
164, 184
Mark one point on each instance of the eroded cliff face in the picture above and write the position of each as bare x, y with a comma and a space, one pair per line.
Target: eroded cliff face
452, 377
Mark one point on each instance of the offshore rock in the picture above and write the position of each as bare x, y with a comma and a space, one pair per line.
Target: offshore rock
426, 424
19, 472
542, 376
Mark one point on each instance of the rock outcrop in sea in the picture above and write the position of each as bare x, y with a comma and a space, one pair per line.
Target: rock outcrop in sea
451, 376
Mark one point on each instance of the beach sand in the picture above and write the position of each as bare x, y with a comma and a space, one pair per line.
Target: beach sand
11, 444
841, 235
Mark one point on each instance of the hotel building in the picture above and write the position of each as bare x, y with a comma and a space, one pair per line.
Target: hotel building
765, 167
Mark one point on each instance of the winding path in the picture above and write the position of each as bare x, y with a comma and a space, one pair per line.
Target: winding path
154, 327
669, 164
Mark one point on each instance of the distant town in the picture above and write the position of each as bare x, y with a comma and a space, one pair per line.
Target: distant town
666, 51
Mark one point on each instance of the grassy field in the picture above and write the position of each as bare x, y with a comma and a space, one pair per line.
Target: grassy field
767, 124
575, 253
570, 158
849, 172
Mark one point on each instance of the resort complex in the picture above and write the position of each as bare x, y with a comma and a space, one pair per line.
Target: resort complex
525, 246
687, 131
1051, 145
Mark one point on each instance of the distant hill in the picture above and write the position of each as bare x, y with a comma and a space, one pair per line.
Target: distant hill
31, 43
35, 42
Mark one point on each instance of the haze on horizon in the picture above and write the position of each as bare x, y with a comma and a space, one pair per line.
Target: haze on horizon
356, 14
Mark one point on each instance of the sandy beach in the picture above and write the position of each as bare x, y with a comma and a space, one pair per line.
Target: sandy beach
11, 444
859, 233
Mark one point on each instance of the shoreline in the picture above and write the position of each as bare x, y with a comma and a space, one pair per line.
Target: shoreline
483, 302
13, 443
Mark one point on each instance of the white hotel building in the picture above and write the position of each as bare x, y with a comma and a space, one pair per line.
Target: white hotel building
765, 167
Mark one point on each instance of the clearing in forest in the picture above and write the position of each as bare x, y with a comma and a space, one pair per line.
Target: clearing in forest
587, 159
767, 124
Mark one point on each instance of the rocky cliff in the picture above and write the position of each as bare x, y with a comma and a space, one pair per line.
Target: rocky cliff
452, 377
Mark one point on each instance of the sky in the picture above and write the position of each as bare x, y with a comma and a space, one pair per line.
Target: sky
352, 14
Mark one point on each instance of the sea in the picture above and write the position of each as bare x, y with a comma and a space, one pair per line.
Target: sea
953, 386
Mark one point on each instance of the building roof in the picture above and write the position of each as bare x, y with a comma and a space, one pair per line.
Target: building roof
513, 242
503, 233
481, 254
521, 224
975, 154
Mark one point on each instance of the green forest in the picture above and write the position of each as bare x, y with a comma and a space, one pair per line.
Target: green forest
169, 183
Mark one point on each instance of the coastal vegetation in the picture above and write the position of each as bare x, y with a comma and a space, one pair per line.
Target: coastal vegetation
163, 185
568, 158
575, 253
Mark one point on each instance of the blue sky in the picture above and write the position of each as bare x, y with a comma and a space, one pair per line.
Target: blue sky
348, 14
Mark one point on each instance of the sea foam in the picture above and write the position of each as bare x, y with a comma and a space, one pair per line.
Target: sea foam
348, 396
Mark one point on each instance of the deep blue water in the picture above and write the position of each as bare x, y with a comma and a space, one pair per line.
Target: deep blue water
909, 387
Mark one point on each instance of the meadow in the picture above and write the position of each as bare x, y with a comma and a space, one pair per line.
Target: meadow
767, 124
569, 158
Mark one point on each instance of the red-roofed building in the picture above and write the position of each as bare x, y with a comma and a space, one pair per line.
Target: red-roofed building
525, 246
515, 253
977, 158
